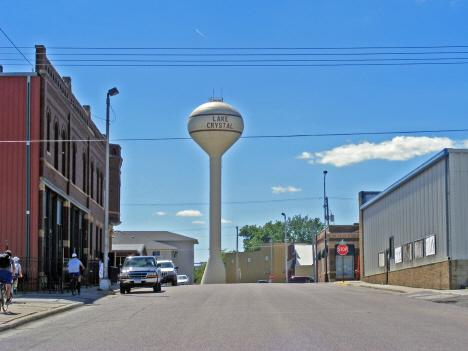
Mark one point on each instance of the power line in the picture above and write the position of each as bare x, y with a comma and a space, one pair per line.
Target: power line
252, 48
254, 136
236, 202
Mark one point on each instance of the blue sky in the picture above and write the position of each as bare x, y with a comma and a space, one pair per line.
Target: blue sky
165, 183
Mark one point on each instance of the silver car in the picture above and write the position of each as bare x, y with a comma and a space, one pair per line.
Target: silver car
182, 279
140, 271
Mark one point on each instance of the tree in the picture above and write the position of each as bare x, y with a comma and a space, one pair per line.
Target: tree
298, 229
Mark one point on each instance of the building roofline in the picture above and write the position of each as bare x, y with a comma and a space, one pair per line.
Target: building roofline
412, 174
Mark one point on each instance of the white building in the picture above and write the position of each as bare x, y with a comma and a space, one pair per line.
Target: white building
161, 244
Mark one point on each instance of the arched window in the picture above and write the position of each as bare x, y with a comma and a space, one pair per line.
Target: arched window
56, 145
64, 154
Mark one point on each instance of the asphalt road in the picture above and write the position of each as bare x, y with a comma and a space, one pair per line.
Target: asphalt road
250, 317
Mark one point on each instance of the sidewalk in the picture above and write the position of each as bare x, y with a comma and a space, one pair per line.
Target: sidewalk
458, 297
32, 306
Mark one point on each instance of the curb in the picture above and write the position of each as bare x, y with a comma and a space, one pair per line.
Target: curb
38, 315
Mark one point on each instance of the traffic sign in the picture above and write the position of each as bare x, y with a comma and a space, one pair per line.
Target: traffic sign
342, 249
272, 276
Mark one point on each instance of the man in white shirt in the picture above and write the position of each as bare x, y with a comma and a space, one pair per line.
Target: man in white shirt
18, 273
74, 266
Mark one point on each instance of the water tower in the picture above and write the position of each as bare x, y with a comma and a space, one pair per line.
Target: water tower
215, 126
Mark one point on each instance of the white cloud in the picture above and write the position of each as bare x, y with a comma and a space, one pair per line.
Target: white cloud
198, 222
189, 213
225, 221
400, 148
305, 155
159, 213
288, 189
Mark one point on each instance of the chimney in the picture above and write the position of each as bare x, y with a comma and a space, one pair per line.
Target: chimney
67, 81
87, 109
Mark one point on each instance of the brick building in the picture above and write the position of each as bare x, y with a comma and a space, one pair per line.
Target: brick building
414, 233
337, 266
52, 178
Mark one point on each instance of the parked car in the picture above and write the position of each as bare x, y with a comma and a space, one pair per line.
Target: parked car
168, 271
301, 279
140, 271
182, 280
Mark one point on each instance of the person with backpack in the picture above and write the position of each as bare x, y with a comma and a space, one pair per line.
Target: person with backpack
7, 269
18, 273
74, 267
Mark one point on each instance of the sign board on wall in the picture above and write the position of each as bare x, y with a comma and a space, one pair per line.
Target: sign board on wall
398, 255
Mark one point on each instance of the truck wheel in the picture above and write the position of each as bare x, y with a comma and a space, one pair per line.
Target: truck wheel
122, 290
159, 287
174, 282
128, 290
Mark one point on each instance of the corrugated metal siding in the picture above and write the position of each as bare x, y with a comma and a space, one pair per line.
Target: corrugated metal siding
13, 111
458, 170
412, 211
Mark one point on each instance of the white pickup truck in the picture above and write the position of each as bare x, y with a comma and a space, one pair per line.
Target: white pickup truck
140, 271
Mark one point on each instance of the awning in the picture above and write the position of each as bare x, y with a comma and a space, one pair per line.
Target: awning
128, 247
289, 265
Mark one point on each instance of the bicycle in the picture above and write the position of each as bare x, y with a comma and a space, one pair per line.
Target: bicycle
73, 284
3, 300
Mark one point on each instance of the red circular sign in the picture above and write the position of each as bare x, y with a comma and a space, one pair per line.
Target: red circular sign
342, 249
272, 276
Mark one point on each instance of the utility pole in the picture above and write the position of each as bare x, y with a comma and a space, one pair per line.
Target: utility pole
285, 249
237, 254
326, 224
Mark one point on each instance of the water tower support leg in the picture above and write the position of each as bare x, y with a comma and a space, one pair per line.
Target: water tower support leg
215, 272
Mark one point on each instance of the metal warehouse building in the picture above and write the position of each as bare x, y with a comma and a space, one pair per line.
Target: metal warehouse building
415, 233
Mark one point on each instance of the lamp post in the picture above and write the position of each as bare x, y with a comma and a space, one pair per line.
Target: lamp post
105, 282
326, 224
285, 249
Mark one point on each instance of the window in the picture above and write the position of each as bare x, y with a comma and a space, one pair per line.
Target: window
64, 154
176, 254
91, 176
266, 258
232, 261
84, 172
392, 247
74, 163
157, 253
48, 131
248, 259
56, 145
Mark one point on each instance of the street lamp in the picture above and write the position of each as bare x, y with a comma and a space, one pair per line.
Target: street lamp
105, 282
285, 249
326, 224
